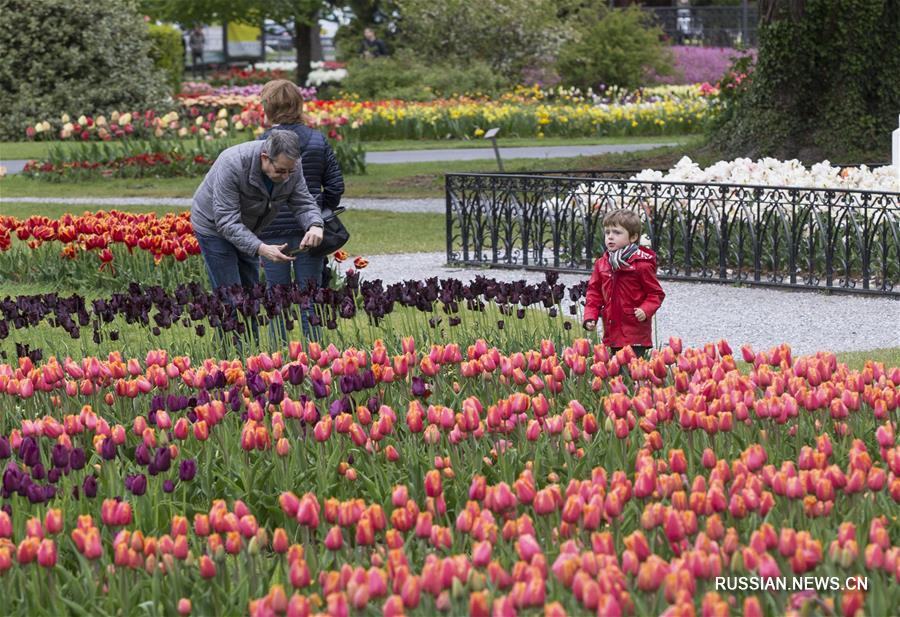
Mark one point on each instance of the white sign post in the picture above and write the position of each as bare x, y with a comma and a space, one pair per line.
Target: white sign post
895, 152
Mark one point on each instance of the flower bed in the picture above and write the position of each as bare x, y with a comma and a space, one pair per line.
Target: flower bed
462, 477
525, 112
776, 173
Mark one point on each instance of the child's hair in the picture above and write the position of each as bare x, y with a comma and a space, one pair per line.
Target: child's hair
282, 102
628, 219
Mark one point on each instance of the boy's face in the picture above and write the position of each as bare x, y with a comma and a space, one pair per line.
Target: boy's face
617, 237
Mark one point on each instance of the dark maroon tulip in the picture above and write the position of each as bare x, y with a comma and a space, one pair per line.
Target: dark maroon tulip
5, 449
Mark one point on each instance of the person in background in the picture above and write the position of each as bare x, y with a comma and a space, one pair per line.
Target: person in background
623, 288
372, 47
283, 105
244, 191
196, 41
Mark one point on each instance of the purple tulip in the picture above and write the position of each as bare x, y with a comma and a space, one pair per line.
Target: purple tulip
35, 493
136, 484
89, 486
418, 387
38, 472
142, 455
295, 374
319, 390
29, 452
5, 449
163, 459
77, 459
187, 469
276, 393
108, 449
168, 486
53, 475
60, 456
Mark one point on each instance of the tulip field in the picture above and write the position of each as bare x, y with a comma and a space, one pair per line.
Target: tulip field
446, 449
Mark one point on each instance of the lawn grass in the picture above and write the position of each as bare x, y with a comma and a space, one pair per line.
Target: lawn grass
399, 180
857, 359
17, 150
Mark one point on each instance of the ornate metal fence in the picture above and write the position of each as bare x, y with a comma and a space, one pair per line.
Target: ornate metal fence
821, 239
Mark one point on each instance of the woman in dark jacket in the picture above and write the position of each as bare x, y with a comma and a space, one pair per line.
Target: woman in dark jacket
284, 108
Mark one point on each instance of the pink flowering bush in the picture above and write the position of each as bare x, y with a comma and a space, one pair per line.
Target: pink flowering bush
700, 64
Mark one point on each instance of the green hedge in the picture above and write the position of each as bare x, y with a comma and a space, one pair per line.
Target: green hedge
167, 53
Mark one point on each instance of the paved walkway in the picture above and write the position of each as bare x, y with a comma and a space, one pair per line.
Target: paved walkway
701, 313
464, 154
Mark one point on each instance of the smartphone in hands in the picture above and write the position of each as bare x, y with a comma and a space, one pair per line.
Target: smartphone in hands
296, 251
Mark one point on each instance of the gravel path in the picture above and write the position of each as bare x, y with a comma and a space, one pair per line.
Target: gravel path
388, 205
701, 313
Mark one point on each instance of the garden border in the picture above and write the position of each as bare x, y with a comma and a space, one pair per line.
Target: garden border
787, 237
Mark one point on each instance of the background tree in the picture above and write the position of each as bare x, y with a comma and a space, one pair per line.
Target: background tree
380, 15
825, 84
299, 17
507, 35
73, 56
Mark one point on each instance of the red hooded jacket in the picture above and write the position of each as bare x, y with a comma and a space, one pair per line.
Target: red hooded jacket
615, 294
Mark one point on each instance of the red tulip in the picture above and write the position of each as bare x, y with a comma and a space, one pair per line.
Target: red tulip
335, 539
46, 553
207, 567
433, 484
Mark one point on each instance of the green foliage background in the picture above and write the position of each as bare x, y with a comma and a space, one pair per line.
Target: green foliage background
826, 85
614, 48
77, 56
405, 76
167, 52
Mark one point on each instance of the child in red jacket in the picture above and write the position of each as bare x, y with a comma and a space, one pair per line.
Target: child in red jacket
623, 289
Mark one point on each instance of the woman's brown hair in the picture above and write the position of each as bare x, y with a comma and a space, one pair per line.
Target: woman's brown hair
282, 102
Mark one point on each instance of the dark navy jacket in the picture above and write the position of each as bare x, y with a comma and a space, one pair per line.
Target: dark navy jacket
323, 178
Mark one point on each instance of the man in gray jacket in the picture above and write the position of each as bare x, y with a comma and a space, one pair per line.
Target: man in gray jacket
242, 193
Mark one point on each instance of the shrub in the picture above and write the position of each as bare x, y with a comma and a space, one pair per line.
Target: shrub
404, 76
507, 35
77, 56
167, 53
615, 48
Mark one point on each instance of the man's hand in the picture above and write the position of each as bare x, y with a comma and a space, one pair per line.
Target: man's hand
273, 252
590, 324
312, 238
641, 315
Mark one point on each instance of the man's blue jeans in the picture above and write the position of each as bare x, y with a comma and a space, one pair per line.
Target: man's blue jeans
305, 271
226, 266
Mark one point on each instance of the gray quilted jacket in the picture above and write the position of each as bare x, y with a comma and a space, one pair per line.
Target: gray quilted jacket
233, 203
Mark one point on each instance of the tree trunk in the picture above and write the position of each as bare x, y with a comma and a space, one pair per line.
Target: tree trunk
303, 34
